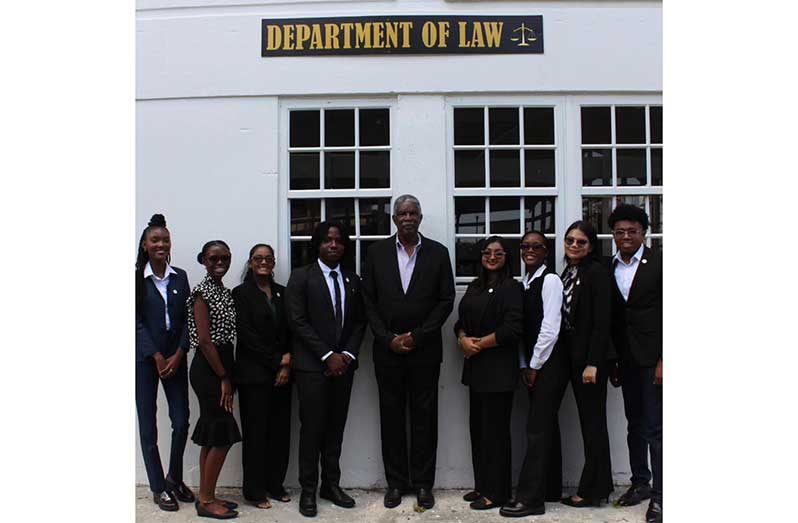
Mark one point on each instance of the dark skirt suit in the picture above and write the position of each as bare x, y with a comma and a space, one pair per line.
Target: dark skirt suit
262, 340
492, 377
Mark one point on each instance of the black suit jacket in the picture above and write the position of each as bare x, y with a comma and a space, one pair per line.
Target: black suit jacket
311, 317
637, 323
151, 334
588, 343
422, 311
261, 338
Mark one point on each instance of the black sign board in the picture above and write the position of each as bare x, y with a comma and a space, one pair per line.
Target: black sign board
358, 35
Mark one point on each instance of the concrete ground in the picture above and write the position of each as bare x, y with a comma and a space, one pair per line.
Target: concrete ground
449, 507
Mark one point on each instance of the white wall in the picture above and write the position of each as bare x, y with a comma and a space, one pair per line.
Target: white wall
209, 149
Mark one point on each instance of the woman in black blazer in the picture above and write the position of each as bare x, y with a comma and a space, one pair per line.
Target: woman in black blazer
262, 372
488, 331
585, 337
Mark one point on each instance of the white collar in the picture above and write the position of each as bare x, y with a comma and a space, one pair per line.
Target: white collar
400, 245
529, 279
636, 257
326, 269
148, 272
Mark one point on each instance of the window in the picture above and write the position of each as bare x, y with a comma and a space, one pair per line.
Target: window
339, 168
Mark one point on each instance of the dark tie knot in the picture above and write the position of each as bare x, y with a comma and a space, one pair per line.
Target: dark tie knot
334, 275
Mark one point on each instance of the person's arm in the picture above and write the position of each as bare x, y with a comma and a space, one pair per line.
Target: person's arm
370, 298
550, 326
298, 321
437, 316
245, 325
352, 344
600, 330
509, 328
202, 320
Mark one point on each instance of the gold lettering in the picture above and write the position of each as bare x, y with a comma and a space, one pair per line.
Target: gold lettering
462, 28
316, 41
289, 37
493, 31
347, 27
331, 32
379, 34
443, 31
392, 35
477, 39
363, 35
274, 37
429, 34
302, 35
406, 27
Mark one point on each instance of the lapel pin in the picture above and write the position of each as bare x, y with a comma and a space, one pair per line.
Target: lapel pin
644, 260
578, 282
174, 291
490, 290
278, 294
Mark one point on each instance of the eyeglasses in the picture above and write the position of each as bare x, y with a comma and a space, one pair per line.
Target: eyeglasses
263, 259
216, 258
620, 233
580, 242
497, 254
537, 247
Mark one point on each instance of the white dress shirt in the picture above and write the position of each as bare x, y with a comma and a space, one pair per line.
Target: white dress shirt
625, 272
407, 264
331, 287
161, 284
552, 310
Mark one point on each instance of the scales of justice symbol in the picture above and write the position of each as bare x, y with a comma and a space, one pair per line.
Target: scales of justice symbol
526, 35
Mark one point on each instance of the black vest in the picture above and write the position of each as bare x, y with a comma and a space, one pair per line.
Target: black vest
533, 312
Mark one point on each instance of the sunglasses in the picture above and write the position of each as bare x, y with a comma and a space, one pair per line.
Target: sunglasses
536, 247
578, 241
497, 254
262, 259
216, 258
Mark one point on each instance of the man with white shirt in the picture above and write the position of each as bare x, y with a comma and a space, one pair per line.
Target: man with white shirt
637, 336
325, 314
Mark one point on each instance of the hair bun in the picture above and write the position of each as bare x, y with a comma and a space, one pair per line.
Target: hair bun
157, 220
199, 258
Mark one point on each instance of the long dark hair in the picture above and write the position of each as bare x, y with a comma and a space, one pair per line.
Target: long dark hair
589, 231
247, 274
157, 221
320, 232
481, 281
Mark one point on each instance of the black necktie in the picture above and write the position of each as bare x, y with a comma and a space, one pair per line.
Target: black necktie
339, 313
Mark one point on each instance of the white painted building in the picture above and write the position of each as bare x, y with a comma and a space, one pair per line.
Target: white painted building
236, 146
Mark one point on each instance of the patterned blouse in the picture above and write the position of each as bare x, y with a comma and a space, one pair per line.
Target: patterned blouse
222, 313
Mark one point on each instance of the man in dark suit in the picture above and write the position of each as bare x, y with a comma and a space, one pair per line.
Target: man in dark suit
325, 314
637, 336
408, 292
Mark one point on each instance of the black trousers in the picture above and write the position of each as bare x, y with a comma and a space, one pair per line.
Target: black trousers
418, 387
323, 408
176, 391
642, 402
491, 449
266, 431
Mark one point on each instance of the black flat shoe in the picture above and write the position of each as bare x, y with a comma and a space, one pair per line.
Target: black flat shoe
165, 501
337, 495
180, 491
633, 496
474, 495
393, 497
205, 513
516, 509
425, 498
227, 504
482, 504
582, 503
654, 512
307, 504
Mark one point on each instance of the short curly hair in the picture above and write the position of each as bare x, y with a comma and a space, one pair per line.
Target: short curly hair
632, 213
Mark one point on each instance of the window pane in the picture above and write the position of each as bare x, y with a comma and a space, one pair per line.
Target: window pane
505, 169
364, 252
303, 170
375, 169
469, 215
630, 125
539, 168
469, 127
656, 213
304, 129
606, 246
374, 127
596, 167
631, 166
342, 210
503, 125
505, 215
636, 199
656, 244
656, 166
305, 216
539, 125
375, 216
339, 127
596, 127
655, 115
339, 170
539, 214
596, 211
514, 256
469, 168
301, 254
466, 256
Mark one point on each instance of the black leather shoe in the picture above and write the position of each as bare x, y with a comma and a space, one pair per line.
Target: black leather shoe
482, 504
584, 502
474, 495
516, 509
425, 498
165, 501
205, 513
307, 504
337, 495
654, 512
180, 491
633, 496
393, 497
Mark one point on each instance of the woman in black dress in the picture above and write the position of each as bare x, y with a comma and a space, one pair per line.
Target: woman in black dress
211, 321
262, 372
488, 331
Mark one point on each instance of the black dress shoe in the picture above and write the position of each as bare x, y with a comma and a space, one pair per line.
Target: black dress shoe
654, 512
165, 501
582, 503
473, 496
425, 498
180, 491
482, 504
393, 497
307, 504
516, 509
633, 496
205, 513
337, 495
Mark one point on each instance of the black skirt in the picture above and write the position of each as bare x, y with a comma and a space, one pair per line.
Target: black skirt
216, 427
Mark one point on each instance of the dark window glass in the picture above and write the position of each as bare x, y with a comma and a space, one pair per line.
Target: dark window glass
304, 129
503, 125
342, 210
630, 125
469, 168
596, 167
539, 168
374, 127
364, 252
634, 199
339, 127
539, 213
596, 211
305, 216
514, 256
469, 127
606, 246
655, 115
539, 126
596, 126
656, 213
304, 170
631, 166
656, 166
505, 169
339, 170
656, 245
301, 254
375, 169
505, 215
469, 215
467, 256
375, 216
